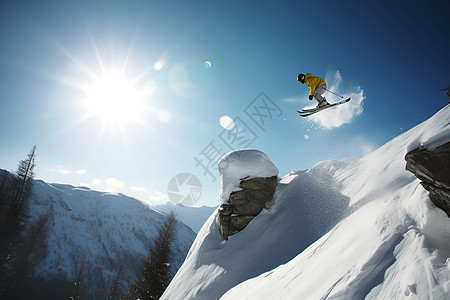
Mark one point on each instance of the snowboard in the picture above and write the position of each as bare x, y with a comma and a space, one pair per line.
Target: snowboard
311, 111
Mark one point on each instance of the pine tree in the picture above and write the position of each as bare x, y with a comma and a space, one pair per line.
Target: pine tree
78, 284
15, 194
15, 191
115, 288
34, 241
155, 275
30, 251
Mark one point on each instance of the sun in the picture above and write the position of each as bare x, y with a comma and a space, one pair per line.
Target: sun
114, 99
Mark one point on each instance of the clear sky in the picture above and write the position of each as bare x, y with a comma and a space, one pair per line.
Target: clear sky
124, 95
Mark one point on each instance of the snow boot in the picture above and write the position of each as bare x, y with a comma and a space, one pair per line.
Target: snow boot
322, 103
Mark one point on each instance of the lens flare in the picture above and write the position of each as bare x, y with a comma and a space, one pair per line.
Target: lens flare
159, 65
226, 122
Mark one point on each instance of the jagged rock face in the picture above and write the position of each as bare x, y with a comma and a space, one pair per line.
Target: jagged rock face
244, 205
433, 169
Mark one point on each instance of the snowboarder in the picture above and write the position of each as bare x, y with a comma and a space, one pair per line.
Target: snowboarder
317, 87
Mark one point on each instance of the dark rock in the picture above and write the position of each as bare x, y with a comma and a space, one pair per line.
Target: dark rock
433, 169
254, 195
245, 204
225, 210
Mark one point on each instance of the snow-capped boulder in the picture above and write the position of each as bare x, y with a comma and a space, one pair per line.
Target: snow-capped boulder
433, 170
249, 180
241, 165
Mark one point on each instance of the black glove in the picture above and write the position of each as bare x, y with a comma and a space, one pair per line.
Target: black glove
310, 97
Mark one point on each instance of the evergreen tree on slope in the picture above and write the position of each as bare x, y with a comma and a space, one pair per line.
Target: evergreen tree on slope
155, 275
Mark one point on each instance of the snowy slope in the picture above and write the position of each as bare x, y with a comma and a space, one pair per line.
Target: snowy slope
100, 230
194, 217
387, 240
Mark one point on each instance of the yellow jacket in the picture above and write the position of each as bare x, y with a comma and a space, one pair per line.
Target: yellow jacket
313, 82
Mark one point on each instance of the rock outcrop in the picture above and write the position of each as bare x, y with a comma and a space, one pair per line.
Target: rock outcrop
249, 180
433, 169
246, 204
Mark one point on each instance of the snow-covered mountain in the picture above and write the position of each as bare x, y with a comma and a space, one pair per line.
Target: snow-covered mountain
99, 231
194, 217
351, 229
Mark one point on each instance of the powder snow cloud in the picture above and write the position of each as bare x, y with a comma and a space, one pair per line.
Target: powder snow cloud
343, 114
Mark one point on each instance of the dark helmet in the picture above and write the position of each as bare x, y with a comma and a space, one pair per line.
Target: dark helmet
301, 78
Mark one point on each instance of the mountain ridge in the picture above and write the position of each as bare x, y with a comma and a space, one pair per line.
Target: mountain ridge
97, 232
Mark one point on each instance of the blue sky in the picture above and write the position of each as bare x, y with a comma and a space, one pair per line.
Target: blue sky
182, 65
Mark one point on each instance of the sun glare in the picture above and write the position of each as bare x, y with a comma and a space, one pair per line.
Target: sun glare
114, 99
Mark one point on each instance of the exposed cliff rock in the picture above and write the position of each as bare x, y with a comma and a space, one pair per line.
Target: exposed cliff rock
249, 180
433, 169
244, 205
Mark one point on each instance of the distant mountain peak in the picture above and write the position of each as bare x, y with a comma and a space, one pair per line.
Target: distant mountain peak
100, 231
